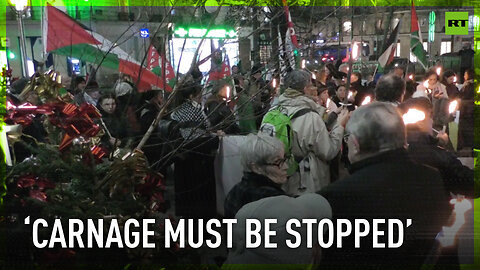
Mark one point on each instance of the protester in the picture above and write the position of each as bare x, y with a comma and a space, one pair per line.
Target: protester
194, 156
399, 71
77, 85
467, 88
282, 209
437, 93
448, 79
423, 148
255, 87
390, 88
265, 170
90, 94
312, 145
218, 111
116, 128
385, 183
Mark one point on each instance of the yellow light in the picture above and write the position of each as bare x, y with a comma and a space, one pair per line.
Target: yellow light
413, 116
367, 100
410, 77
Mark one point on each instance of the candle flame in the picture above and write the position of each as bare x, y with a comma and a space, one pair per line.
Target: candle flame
228, 92
425, 83
328, 102
455, 79
439, 71
367, 100
413, 116
314, 76
452, 106
449, 234
410, 77
350, 94
303, 63
274, 83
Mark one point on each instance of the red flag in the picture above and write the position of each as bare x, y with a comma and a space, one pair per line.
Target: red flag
290, 29
222, 73
155, 64
63, 31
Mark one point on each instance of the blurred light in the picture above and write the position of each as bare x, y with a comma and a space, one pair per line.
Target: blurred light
274, 83
455, 79
19, 4
425, 83
75, 61
413, 116
410, 77
452, 106
314, 76
396, 64
367, 100
11, 55
439, 71
303, 63
355, 50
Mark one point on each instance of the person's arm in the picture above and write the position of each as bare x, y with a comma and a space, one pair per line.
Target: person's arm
313, 136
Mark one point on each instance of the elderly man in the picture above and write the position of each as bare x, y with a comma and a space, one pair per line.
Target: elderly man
385, 184
390, 88
312, 144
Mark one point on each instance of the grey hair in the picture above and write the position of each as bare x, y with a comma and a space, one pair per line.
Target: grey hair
377, 126
259, 149
298, 79
390, 88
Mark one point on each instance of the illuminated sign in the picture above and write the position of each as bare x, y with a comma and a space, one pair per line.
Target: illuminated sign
144, 33
431, 27
193, 32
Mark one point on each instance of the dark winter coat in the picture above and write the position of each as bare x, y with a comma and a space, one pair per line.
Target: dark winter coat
457, 178
388, 186
253, 187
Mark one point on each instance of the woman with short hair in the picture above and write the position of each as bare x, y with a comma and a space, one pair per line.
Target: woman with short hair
265, 170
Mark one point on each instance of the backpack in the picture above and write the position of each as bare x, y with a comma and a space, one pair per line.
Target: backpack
277, 123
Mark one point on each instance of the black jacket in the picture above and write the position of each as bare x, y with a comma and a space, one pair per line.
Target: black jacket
388, 186
457, 178
253, 187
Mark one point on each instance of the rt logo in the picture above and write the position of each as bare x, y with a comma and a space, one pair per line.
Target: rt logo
456, 23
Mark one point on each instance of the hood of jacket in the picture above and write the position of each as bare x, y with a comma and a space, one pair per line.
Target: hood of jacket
293, 101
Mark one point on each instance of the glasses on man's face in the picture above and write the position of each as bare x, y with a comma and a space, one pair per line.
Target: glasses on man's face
279, 163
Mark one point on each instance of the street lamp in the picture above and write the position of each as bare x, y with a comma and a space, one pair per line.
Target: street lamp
21, 7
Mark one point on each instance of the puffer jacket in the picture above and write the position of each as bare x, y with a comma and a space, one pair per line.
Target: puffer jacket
312, 144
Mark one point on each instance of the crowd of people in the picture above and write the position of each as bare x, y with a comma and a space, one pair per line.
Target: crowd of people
395, 169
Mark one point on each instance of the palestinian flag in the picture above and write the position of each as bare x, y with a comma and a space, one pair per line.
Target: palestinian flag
155, 62
220, 73
390, 47
65, 36
291, 42
416, 41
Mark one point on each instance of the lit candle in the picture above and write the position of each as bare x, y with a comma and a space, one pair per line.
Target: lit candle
367, 100
452, 107
455, 79
313, 76
448, 235
303, 63
413, 116
439, 71
228, 92
274, 83
350, 94
328, 102
410, 77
